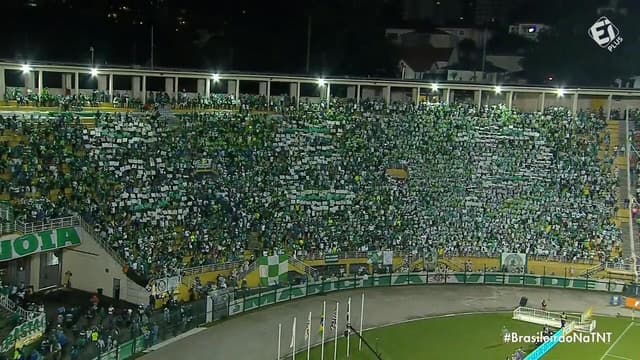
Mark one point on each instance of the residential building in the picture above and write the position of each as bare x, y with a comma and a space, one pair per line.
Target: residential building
528, 30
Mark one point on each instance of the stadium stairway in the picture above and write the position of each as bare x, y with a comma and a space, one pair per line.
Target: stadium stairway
452, 264
301, 267
616, 130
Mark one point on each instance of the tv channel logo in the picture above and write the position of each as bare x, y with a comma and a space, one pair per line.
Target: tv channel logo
605, 34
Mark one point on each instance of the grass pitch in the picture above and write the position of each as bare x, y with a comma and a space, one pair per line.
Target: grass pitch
479, 337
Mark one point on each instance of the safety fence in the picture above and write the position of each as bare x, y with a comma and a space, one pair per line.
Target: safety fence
222, 305
23, 228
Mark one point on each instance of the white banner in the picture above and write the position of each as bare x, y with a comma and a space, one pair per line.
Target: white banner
514, 262
387, 257
165, 285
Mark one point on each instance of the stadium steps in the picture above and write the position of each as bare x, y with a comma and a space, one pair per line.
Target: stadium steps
301, 267
618, 141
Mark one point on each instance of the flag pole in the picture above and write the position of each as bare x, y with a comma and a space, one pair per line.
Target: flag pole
335, 339
361, 317
308, 332
348, 322
324, 322
279, 338
293, 339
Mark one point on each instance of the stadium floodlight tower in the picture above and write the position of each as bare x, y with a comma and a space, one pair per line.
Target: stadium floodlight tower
215, 77
434, 87
561, 92
26, 68
93, 72
322, 82
498, 89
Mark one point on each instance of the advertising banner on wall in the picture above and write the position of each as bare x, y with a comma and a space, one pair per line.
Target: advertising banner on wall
25, 333
38, 242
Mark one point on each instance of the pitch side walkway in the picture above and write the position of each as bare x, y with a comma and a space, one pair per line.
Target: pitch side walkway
254, 335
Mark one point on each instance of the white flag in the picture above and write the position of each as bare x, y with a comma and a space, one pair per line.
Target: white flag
348, 313
307, 330
293, 334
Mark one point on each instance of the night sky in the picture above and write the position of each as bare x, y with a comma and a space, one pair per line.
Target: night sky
261, 36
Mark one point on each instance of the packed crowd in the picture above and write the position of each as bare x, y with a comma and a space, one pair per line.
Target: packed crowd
170, 192
86, 327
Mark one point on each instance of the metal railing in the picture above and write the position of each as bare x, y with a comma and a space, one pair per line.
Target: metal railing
11, 306
308, 270
87, 227
23, 228
530, 257
212, 267
189, 274
620, 266
592, 270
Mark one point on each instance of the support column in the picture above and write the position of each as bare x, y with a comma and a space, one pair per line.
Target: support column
40, 82
293, 93
542, 96
298, 95
135, 87
268, 93
3, 84
207, 88
176, 86
144, 89
111, 86
358, 94
417, 95
447, 96
609, 105
509, 99
66, 84
478, 98
328, 96
237, 90
77, 84
387, 95
169, 87
574, 107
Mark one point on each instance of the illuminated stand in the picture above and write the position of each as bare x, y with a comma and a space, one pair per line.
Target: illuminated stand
582, 323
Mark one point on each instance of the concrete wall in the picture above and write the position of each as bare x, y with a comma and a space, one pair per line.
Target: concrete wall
92, 268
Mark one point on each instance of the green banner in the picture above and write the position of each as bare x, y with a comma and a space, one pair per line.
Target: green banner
331, 259
24, 333
38, 242
431, 278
